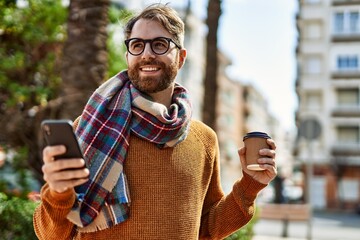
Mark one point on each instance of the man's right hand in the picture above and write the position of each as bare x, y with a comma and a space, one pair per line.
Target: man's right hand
63, 174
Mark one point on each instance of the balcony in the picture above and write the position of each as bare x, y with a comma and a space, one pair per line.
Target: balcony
346, 150
348, 111
312, 12
350, 74
349, 36
312, 47
345, 2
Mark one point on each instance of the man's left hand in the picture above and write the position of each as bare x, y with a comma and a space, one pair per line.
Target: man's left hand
267, 162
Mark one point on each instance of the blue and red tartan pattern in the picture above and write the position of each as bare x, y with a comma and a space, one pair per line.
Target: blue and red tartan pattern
115, 109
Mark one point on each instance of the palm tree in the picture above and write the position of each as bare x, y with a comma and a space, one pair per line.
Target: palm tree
83, 67
84, 62
211, 72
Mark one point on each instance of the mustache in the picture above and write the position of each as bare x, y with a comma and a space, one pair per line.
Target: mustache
150, 62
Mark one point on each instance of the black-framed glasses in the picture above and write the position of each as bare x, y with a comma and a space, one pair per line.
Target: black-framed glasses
159, 45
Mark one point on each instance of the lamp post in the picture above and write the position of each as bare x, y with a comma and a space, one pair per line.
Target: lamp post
310, 129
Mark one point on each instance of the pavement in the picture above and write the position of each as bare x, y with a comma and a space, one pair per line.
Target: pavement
323, 226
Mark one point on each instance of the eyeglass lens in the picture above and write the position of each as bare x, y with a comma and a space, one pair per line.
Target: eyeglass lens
158, 45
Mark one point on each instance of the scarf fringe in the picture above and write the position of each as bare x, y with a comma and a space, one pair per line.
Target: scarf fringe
101, 222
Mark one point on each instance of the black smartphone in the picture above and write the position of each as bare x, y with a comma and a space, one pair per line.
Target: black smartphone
60, 132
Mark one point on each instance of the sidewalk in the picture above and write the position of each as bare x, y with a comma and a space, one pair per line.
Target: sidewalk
325, 226
274, 238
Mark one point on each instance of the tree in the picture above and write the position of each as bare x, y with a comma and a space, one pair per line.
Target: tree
31, 89
84, 62
211, 72
30, 45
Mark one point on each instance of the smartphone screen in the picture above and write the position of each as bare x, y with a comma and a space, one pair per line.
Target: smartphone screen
60, 132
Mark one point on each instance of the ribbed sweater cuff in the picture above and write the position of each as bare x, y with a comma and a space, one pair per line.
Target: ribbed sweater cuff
64, 200
247, 188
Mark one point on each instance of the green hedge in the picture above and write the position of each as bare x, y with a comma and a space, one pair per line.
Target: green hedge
16, 218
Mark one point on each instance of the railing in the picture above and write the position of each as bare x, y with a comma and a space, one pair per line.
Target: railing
346, 149
344, 2
346, 36
346, 74
346, 111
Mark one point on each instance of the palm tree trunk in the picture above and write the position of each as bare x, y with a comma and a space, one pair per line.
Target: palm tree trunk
84, 62
211, 72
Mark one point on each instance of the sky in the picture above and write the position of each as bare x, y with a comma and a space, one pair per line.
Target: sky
260, 37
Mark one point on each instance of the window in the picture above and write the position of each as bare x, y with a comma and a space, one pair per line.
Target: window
229, 120
312, 1
313, 31
348, 134
313, 100
349, 190
348, 97
346, 22
313, 65
226, 120
227, 96
347, 63
354, 22
339, 22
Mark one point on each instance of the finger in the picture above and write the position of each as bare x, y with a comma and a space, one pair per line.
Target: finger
268, 161
66, 175
270, 169
268, 164
267, 152
271, 143
62, 186
241, 153
50, 152
62, 164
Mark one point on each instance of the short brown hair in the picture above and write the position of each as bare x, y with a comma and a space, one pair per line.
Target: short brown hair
163, 14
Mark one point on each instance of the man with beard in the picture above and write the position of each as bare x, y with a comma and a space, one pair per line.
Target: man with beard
151, 171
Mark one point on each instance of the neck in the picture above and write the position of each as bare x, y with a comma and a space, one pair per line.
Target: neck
164, 97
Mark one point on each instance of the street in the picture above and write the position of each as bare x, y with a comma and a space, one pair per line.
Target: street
325, 226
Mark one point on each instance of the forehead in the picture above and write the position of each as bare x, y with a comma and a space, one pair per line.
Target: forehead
148, 29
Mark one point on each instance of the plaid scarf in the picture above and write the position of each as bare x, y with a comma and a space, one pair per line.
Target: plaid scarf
115, 109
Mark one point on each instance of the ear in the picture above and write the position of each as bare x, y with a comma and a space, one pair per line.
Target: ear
182, 57
126, 56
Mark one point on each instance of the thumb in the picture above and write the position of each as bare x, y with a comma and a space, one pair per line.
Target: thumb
241, 153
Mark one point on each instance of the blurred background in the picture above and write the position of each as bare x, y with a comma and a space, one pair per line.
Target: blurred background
286, 67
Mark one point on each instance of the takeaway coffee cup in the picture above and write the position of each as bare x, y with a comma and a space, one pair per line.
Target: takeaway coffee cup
254, 141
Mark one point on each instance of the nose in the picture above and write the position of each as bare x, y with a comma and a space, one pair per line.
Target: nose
148, 53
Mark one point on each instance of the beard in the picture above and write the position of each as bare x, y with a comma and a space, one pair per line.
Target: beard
153, 84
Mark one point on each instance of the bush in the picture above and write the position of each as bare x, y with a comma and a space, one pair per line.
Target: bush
16, 218
246, 232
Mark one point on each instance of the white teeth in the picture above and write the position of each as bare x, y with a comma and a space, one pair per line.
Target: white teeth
148, 69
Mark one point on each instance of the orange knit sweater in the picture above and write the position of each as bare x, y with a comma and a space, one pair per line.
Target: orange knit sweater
175, 194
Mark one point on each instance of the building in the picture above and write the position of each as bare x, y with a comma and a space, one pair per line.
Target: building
328, 89
230, 124
242, 108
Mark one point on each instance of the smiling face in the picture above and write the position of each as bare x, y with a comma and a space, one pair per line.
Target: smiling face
151, 73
